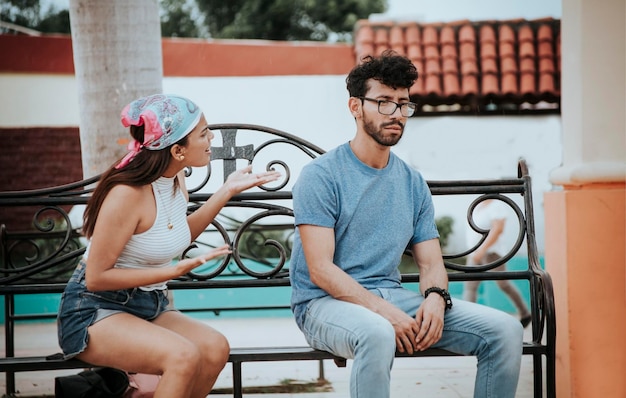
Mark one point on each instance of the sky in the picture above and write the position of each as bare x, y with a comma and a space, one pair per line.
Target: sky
474, 10
449, 10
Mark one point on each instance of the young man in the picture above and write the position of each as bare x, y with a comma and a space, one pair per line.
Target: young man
357, 208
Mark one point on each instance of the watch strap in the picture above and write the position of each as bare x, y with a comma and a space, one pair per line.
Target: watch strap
442, 292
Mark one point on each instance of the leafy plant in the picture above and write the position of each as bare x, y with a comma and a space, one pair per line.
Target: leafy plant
444, 226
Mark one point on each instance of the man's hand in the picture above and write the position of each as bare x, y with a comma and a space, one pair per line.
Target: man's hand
406, 328
430, 318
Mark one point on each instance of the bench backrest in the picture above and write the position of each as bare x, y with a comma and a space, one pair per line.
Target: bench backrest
257, 223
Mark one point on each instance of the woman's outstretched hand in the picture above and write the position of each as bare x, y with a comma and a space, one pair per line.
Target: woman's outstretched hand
243, 179
187, 265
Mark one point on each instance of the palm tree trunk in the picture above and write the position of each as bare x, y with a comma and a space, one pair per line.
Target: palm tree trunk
117, 58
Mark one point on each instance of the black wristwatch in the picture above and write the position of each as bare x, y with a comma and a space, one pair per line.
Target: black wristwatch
442, 292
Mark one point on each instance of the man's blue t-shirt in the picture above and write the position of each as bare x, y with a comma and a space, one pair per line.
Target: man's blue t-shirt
375, 213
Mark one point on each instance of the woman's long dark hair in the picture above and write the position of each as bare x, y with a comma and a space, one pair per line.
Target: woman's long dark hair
146, 167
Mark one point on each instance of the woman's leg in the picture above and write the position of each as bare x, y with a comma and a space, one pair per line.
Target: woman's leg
126, 342
510, 290
470, 288
212, 346
470, 291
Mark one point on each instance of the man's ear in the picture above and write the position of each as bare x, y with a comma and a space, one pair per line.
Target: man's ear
354, 104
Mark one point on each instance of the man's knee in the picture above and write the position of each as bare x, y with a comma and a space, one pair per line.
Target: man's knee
379, 336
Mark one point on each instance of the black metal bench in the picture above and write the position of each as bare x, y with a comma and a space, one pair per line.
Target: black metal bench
39, 258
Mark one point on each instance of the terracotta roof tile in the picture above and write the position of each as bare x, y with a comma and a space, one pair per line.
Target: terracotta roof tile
544, 33
509, 83
363, 49
473, 63
527, 83
431, 51
469, 67
414, 52
546, 65
467, 34
527, 65
365, 33
526, 49
447, 35
381, 36
488, 50
489, 65
412, 34
432, 66
490, 83
430, 36
451, 84
525, 33
450, 65
469, 85
506, 34
487, 34
507, 49
433, 85
400, 49
449, 51
545, 49
508, 64
396, 36
467, 51
546, 83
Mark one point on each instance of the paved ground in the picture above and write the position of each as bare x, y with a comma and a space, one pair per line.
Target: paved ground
448, 377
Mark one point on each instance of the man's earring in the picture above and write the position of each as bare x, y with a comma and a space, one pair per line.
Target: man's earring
182, 157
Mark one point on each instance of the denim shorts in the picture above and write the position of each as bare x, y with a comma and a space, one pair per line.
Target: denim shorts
81, 308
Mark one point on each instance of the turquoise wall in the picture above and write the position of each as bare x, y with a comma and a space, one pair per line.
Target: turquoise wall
488, 294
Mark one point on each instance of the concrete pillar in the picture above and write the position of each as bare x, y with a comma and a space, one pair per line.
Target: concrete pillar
585, 214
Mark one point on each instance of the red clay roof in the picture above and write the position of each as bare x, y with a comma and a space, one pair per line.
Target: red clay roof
463, 65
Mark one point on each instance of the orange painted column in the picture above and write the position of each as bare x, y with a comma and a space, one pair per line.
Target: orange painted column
587, 262
585, 216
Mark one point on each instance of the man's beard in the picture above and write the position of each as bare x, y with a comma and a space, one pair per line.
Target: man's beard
377, 134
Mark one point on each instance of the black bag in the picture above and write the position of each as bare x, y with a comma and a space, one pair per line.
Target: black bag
94, 383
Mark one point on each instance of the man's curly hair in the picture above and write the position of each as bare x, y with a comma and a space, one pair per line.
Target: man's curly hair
390, 69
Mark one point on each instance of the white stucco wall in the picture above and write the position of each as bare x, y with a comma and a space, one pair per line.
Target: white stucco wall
31, 100
453, 147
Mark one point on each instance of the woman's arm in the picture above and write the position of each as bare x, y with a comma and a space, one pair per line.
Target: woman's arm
126, 211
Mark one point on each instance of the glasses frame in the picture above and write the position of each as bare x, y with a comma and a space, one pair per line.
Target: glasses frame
405, 105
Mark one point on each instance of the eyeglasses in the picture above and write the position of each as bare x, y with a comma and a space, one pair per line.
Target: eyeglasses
386, 107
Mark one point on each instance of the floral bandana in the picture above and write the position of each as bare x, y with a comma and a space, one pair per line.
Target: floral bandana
166, 120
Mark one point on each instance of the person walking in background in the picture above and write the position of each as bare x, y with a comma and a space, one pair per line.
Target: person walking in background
114, 311
491, 215
357, 209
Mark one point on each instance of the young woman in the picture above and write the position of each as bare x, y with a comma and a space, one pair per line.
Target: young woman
114, 311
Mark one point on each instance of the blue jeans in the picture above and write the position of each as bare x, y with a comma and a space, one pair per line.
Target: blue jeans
80, 308
354, 332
